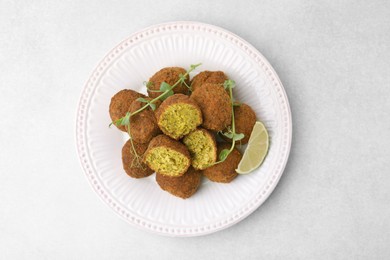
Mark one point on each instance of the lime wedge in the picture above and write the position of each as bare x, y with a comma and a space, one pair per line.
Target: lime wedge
256, 150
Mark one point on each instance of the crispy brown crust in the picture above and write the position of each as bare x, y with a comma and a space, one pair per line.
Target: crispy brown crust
184, 186
128, 157
211, 136
214, 77
169, 75
144, 124
224, 172
165, 141
175, 99
244, 120
214, 103
120, 103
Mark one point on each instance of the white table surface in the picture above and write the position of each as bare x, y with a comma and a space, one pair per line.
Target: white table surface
333, 201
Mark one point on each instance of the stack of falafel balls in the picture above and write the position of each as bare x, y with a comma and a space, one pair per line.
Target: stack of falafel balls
178, 139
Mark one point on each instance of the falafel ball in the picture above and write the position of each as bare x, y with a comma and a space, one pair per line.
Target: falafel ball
203, 148
178, 115
244, 120
167, 156
169, 75
225, 171
144, 124
215, 105
120, 103
214, 77
184, 186
132, 167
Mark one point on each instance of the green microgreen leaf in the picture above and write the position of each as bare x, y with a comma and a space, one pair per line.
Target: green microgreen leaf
152, 106
228, 84
117, 122
194, 66
166, 95
126, 119
238, 137
147, 83
224, 154
182, 78
228, 135
142, 100
165, 87
237, 104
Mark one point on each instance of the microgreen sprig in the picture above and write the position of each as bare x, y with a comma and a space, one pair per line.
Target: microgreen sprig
183, 81
167, 91
125, 121
231, 131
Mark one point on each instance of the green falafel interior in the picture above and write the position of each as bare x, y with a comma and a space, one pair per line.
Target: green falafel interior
202, 147
179, 119
167, 161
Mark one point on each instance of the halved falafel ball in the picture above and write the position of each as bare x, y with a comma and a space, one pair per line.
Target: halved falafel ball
214, 77
225, 171
203, 148
120, 103
167, 156
244, 120
178, 115
169, 75
214, 103
134, 168
183, 186
144, 124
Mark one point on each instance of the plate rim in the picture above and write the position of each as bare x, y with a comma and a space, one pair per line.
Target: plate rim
82, 149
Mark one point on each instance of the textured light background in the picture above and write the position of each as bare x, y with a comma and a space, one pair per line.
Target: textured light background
333, 201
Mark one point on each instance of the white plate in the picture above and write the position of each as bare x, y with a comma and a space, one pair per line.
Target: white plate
140, 201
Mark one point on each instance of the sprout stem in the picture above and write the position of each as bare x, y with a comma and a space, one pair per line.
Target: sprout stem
193, 67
